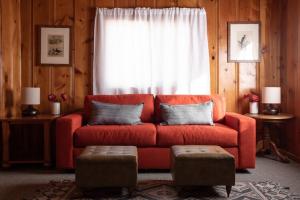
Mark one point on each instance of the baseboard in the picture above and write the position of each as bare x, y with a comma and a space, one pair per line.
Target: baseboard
290, 155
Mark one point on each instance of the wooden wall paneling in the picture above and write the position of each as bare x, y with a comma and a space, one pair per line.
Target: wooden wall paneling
146, 3
11, 56
2, 97
166, 3
104, 3
248, 11
291, 79
41, 74
274, 31
283, 59
271, 26
26, 43
264, 39
297, 152
62, 76
125, 3
83, 30
190, 3
283, 75
15, 38
292, 70
296, 132
261, 70
227, 11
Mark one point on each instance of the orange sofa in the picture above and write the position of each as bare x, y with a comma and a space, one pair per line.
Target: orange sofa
234, 132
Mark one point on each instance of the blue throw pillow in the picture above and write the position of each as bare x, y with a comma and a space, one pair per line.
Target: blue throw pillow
201, 113
107, 113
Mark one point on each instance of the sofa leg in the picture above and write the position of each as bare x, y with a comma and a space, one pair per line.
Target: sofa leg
179, 190
228, 189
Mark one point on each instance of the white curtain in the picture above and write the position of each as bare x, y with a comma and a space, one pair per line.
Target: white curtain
158, 51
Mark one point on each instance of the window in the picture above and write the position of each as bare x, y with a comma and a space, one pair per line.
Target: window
158, 51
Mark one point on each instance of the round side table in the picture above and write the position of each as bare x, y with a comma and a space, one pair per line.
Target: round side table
266, 144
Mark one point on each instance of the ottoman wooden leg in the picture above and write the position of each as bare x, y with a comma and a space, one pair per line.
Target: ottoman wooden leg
228, 189
130, 191
87, 192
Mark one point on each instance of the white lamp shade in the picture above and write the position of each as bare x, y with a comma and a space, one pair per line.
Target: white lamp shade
271, 95
31, 96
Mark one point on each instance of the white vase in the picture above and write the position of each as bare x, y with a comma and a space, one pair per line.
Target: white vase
253, 107
55, 108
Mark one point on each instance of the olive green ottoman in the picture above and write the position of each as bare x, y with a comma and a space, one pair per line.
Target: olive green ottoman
107, 166
202, 165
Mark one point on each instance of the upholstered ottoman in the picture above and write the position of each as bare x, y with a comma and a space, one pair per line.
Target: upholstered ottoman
196, 165
107, 166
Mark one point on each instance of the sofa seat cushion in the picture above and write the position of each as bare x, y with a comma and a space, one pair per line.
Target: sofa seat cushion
137, 135
219, 134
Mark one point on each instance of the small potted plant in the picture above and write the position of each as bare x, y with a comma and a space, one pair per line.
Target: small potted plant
253, 102
55, 102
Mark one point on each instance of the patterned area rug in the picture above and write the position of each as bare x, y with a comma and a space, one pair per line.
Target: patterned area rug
164, 190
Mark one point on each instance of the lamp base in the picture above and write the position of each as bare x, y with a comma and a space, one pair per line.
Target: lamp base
271, 109
29, 111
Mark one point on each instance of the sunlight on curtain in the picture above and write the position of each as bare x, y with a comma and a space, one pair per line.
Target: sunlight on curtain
158, 51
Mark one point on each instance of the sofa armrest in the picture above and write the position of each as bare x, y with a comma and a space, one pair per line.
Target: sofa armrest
65, 128
246, 127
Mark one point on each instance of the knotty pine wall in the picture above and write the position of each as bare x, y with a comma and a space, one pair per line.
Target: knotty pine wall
10, 57
19, 69
290, 72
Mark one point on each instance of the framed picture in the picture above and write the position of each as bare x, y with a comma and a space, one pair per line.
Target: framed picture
243, 42
54, 45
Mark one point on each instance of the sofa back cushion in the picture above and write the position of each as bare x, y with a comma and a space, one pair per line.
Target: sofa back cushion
108, 113
200, 113
219, 104
130, 99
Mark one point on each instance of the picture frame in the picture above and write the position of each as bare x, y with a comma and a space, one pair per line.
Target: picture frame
54, 45
244, 42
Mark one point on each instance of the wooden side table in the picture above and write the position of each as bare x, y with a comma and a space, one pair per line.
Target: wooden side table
45, 120
266, 143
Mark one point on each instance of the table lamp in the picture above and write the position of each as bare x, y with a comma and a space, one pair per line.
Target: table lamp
271, 96
30, 97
